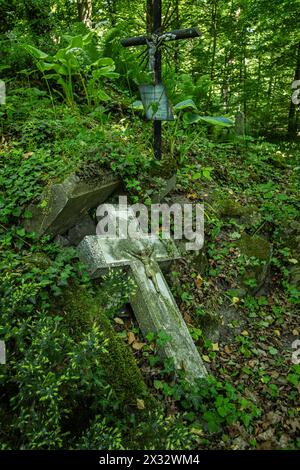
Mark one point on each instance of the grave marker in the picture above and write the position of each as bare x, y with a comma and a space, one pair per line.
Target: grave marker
153, 303
154, 42
63, 205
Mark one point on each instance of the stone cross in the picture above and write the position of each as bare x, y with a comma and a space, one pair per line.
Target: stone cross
154, 43
152, 302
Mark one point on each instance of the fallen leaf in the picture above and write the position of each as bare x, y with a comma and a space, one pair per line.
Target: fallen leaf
235, 300
192, 196
295, 332
215, 347
252, 363
294, 424
138, 346
198, 432
198, 281
273, 418
267, 435
187, 318
245, 333
277, 332
227, 349
140, 404
284, 441
27, 155
205, 358
274, 374
131, 337
119, 321
293, 261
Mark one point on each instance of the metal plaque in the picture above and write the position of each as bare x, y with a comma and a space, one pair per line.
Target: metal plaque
156, 103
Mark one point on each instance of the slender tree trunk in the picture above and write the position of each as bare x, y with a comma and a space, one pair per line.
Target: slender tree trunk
214, 33
85, 8
293, 115
258, 84
177, 45
245, 72
225, 91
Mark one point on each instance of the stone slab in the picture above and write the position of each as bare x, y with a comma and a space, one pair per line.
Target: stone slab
85, 226
64, 204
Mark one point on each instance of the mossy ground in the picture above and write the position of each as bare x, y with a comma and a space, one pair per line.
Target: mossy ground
81, 309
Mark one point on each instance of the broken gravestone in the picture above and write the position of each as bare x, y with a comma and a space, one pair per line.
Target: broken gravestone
63, 205
240, 123
152, 301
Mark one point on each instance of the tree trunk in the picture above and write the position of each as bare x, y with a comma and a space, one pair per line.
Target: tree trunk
177, 45
214, 34
85, 8
293, 115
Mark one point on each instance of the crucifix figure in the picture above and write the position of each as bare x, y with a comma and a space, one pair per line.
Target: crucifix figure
152, 301
154, 43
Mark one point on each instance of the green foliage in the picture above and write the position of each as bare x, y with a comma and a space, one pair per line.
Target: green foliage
79, 60
72, 380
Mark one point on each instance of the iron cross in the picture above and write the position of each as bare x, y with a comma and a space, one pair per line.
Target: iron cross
154, 43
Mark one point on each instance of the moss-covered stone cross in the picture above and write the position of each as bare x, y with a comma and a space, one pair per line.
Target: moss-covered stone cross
152, 301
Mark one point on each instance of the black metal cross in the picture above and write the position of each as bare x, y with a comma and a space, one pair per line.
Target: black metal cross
154, 43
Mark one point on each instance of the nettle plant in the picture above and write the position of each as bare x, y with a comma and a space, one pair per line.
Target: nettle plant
76, 68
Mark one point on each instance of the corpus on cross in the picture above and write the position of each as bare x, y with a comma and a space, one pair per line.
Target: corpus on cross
154, 42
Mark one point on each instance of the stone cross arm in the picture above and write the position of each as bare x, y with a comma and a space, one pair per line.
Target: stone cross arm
152, 301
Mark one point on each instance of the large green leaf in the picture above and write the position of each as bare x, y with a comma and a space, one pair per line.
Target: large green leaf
37, 53
101, 95
46, 66
187, 104
217, 121
104, 62
138, 105
104, 72
191, 118
76, 41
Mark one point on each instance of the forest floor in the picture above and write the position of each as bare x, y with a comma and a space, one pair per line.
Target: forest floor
239, 296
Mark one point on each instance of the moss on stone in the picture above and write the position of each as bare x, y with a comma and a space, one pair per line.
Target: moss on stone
256, 247
261, 250
232, 208
167, 168
81, 309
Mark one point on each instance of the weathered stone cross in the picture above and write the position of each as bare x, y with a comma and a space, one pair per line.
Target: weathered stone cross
152, 301
154, 43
